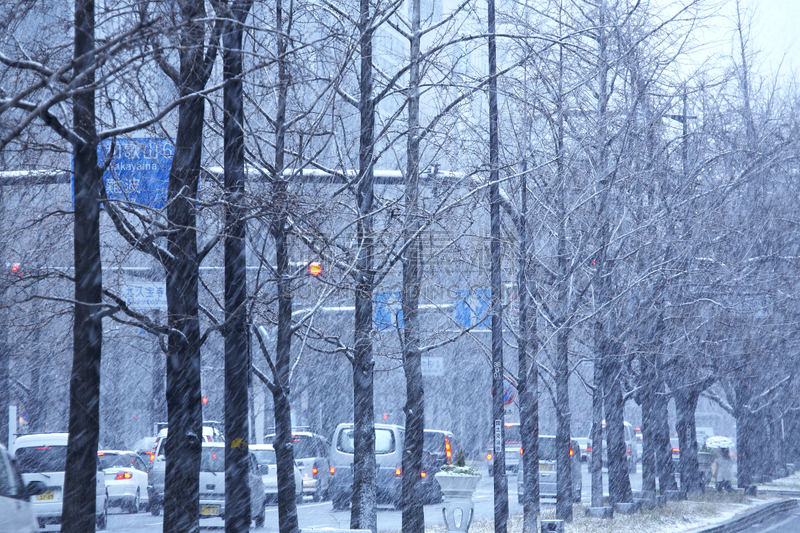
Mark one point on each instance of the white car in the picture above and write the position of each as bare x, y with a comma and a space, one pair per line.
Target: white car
157, 469
126, 480
16, 509
43, 457
311, 456
268, 468
212, 484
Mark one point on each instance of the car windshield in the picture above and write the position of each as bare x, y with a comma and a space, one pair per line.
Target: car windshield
212, 459
114, 460
265, 457
384, 441
41, 459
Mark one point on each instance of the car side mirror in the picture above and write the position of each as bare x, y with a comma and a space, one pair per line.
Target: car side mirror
35, 487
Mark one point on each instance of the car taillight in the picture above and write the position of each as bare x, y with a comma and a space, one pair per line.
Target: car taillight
627, 451
588, 449
314, 471
123, 475
572, 452
153, 456
423, 474
333, 470
398, 471
520, 451
675, 450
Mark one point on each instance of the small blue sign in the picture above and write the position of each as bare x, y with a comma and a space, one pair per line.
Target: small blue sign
139, 170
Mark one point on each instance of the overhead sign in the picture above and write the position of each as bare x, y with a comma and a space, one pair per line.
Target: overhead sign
139, 170
145, 295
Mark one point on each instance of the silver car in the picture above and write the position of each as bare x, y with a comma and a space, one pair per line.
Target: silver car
548, 470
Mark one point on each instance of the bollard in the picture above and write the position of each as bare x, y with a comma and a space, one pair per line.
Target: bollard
552, 526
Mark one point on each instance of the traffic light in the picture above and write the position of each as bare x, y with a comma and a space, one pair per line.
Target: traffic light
314, 268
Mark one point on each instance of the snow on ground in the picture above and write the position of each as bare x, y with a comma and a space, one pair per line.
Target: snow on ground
676, 517
785, 483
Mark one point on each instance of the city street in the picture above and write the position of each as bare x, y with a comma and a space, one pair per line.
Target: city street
321, 515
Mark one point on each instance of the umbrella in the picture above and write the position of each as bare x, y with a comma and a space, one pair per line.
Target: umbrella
719, 442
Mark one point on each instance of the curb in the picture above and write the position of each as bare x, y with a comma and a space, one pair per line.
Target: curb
751, 518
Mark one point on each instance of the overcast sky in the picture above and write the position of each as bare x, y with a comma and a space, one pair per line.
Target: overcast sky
775, 30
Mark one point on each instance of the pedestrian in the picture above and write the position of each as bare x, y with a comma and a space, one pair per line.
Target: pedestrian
723, 469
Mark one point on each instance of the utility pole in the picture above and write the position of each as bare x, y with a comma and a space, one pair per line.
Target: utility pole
498, 409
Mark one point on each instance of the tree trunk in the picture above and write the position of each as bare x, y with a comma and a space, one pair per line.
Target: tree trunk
619, 481
413, 513
528, 377
649, 468
685, 405
563, 416
237, 355
184, 407
598, 395
663, 448
364, 512
78, 514
284, 452
746, 437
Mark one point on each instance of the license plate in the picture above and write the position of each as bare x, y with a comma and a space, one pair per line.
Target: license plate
49, 495
546, 467
209, 510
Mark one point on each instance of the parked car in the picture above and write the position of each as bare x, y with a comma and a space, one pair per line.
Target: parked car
126, 480
267, 465
438, 448
311, 455
389, 458
631, 453
43, 457
676, 449
442, 445
16, 508
212, 484
158, 463
144, 448
548, 470
513, 445
585, 444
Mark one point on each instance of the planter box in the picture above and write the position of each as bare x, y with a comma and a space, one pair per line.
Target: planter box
457, 486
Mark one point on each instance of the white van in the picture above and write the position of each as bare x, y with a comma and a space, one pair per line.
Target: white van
43, 457
16, 509
212, 484
388, 456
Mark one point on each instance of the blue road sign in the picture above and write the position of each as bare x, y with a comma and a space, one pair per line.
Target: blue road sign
139, 170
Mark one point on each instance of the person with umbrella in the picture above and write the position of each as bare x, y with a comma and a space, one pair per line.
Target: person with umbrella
722, 467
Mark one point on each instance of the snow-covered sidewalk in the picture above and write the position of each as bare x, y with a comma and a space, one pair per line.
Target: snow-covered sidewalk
676, 517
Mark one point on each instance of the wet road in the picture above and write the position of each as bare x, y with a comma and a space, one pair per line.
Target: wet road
320, 515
